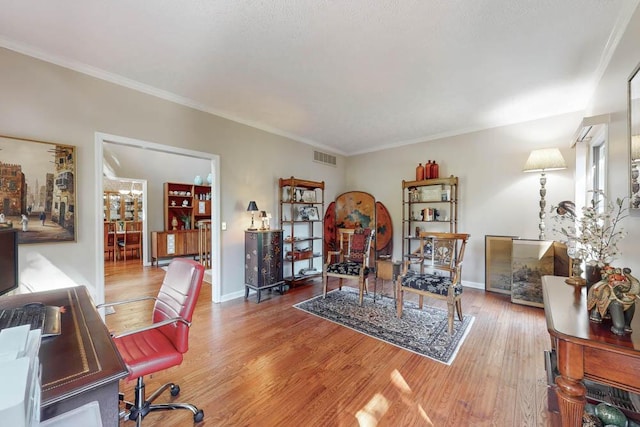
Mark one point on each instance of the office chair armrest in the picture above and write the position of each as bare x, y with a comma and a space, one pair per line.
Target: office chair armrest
126, 301
153, 326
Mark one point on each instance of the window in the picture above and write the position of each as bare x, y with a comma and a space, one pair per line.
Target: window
598, 170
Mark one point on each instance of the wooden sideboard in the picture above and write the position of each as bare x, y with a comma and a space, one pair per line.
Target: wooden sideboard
169, 244
586, 350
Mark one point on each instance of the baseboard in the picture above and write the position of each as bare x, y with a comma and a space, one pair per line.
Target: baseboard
474, 285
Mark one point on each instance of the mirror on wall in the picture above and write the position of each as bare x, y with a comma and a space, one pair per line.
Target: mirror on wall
634, 136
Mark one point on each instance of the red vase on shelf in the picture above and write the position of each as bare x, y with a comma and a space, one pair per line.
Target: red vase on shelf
419, 172
435, 170
427, 170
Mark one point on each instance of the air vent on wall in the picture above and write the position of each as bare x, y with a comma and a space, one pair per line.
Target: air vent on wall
327, 159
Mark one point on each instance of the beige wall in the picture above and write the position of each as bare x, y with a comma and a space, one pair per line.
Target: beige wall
46, 102
50, 103
495, 196
610, 97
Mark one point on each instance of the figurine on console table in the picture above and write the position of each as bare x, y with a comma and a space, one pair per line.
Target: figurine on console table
616, 296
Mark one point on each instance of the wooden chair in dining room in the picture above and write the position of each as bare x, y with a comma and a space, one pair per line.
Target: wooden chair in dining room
110, 240
132, 242
351, 261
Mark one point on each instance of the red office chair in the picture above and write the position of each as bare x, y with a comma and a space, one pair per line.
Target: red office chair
161, 345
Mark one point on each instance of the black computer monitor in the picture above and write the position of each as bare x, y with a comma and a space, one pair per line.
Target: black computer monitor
8, 260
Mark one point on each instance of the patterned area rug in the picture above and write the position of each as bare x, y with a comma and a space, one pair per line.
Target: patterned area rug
421, 331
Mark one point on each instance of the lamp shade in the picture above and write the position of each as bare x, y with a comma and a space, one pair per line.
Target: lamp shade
546, 159
252, 207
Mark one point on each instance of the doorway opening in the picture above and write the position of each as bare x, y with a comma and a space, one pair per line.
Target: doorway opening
115, 154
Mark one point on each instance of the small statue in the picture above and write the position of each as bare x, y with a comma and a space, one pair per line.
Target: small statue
25, 222
614, 295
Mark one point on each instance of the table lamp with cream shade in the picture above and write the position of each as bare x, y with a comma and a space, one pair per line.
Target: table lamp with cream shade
543, 160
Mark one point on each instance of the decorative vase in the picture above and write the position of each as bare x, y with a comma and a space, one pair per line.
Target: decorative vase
435, 170
174, 223
210, 178
419, 172
427, 170
592, 274
197, 180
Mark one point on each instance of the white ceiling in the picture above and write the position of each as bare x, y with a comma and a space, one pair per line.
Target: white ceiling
346, 76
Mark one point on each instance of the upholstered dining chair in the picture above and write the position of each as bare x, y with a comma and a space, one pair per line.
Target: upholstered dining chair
434, 270
161, 345
351, 261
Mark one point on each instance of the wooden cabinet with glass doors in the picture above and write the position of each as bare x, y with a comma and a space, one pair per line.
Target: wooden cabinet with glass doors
120, 207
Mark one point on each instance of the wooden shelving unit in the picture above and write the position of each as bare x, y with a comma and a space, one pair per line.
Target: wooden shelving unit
301, 219
428, 205
187, 203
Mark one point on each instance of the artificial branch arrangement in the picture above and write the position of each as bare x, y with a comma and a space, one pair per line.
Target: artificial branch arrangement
594, 235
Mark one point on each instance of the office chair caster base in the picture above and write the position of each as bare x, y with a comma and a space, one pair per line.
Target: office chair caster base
175, 390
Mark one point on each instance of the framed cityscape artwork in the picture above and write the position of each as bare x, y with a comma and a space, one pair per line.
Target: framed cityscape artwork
37, 190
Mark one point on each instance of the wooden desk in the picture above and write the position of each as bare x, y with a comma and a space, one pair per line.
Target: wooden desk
586, 349
80, 365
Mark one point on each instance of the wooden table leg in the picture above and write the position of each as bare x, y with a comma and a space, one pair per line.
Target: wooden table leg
571, 400
571, 390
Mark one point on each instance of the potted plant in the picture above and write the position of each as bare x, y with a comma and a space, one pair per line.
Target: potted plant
186, 219
594, 235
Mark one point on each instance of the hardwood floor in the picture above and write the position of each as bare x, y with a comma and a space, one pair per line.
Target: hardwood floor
270, 364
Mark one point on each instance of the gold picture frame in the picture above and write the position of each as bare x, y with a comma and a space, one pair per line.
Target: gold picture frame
497, 267
309, 196
38, 195
530, 260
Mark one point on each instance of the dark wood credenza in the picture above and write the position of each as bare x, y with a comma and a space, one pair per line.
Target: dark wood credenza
169, 244
586, 350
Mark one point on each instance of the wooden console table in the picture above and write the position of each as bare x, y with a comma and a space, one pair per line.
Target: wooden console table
586, 350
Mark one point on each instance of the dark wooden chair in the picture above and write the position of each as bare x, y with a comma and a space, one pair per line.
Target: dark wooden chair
434, 270
351, 261
110, 240
132, 242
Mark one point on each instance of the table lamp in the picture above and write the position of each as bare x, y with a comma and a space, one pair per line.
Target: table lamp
546, 159
253, 208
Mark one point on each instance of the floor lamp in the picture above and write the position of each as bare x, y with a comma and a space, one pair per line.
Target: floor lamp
546, 159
